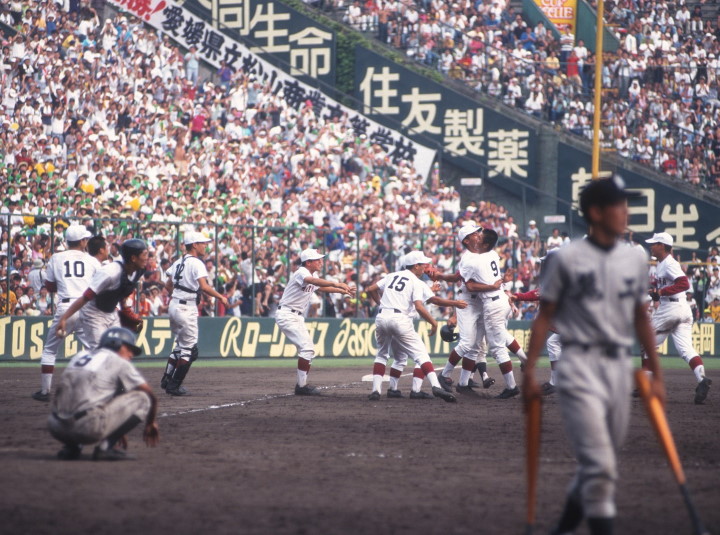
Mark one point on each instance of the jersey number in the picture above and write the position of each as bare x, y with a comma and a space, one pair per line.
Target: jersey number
83, 361
178, 272
78, 269
494, 267
400, 286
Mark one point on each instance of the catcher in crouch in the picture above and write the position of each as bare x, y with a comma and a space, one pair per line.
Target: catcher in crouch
111, 285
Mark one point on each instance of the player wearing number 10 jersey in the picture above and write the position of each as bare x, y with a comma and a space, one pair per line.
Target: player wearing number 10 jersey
68, 275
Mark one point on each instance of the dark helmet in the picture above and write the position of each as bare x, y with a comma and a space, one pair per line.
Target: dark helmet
131, 247
115, 337
448, 334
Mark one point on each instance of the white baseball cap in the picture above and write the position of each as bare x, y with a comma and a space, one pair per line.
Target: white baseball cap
532, 222
661, 237
195, 237
77, 233
416, 257
310, 254
466, 230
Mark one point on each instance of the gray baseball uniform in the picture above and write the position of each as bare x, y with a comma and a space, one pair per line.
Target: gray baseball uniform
87, 407
596, 292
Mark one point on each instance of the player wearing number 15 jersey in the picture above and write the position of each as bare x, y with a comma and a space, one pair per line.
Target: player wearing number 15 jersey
68, 275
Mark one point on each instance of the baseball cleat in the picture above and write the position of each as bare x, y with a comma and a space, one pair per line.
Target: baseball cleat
473, 384
178, 391
375, 396
420, 395
394, 394
464, 389
70, 452
508, 393
307, 390
548, 389
445, 382
110, 455
487, 383
701, 391
39, 396
442, 394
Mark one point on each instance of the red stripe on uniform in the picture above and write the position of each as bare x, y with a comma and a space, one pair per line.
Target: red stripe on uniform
695, 362
417, 372
378, 369
506, 367
395, 373
427, 368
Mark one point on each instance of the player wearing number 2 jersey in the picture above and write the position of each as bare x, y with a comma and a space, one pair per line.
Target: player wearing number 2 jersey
68, 275
186, 278
402, 294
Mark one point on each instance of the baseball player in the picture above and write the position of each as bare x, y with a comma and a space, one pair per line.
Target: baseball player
68, 275
89, 406
97, 248
400, 357
111, 285
593, 290
495, 311
187, 277
673, 316
290, 315
403, 292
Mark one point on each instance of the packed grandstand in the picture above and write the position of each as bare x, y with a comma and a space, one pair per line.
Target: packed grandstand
107, 124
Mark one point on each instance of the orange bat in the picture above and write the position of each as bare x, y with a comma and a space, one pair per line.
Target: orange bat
533, 420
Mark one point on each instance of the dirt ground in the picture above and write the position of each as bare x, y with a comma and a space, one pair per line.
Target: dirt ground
242, 455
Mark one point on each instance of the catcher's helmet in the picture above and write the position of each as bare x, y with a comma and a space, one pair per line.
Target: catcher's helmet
448, 333
131, 247
115, 337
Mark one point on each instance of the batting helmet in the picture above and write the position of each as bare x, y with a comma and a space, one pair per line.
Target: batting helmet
115, 337
448, 334
131, 247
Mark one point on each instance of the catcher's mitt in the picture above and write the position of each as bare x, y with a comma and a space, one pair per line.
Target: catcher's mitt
130, 320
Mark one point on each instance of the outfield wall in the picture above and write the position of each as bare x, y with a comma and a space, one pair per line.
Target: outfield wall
21, 339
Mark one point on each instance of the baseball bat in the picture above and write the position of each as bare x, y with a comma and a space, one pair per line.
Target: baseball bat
533, 418
662, 428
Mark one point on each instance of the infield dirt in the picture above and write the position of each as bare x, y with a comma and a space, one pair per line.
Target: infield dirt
243, 455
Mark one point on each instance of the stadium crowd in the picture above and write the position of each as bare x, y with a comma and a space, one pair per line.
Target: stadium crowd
662, 105
104, 123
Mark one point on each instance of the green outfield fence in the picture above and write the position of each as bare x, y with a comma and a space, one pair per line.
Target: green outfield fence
21, 338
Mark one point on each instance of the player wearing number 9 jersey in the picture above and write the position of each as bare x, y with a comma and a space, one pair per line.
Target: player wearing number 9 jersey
68, 275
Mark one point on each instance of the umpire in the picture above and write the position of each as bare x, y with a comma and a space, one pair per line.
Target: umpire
100, 397
594, 292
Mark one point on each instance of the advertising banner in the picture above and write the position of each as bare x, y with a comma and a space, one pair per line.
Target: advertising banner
561, 13
21, 338
473, 137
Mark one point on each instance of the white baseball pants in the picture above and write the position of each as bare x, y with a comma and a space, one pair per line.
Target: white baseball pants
52, 341
184, 325
293, 327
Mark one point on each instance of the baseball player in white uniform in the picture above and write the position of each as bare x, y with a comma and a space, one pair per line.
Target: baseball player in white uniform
187, 277
89, 407
673, 317
111, 285
68, 275
400, 357
290, 315
593, 290
402, 293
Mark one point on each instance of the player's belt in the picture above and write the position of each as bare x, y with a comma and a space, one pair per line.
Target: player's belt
395, 310
298, 312
66, 300
75, 416
671, 299
608, 350
472, 296
183, 301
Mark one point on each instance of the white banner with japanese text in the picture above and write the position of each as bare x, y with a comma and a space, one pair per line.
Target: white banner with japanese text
188, 30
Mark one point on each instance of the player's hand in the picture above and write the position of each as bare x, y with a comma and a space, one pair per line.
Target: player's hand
432, 272
657, 389
497, 284
435, 287
512, 298
460, 305
60, 329
224, 301
452, 321
509, 274
433, 328
151, 434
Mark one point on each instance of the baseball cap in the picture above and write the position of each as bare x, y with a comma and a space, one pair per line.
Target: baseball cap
532, 222
38, 263
416, 257
465, 231
310, 254
77, 233
661, 237
195, 237
605, 192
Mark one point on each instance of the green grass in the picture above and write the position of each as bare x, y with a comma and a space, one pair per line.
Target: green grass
671, 363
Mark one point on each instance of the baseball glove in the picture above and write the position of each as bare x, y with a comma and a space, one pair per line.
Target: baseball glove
448, 334
130, 320
654, 295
